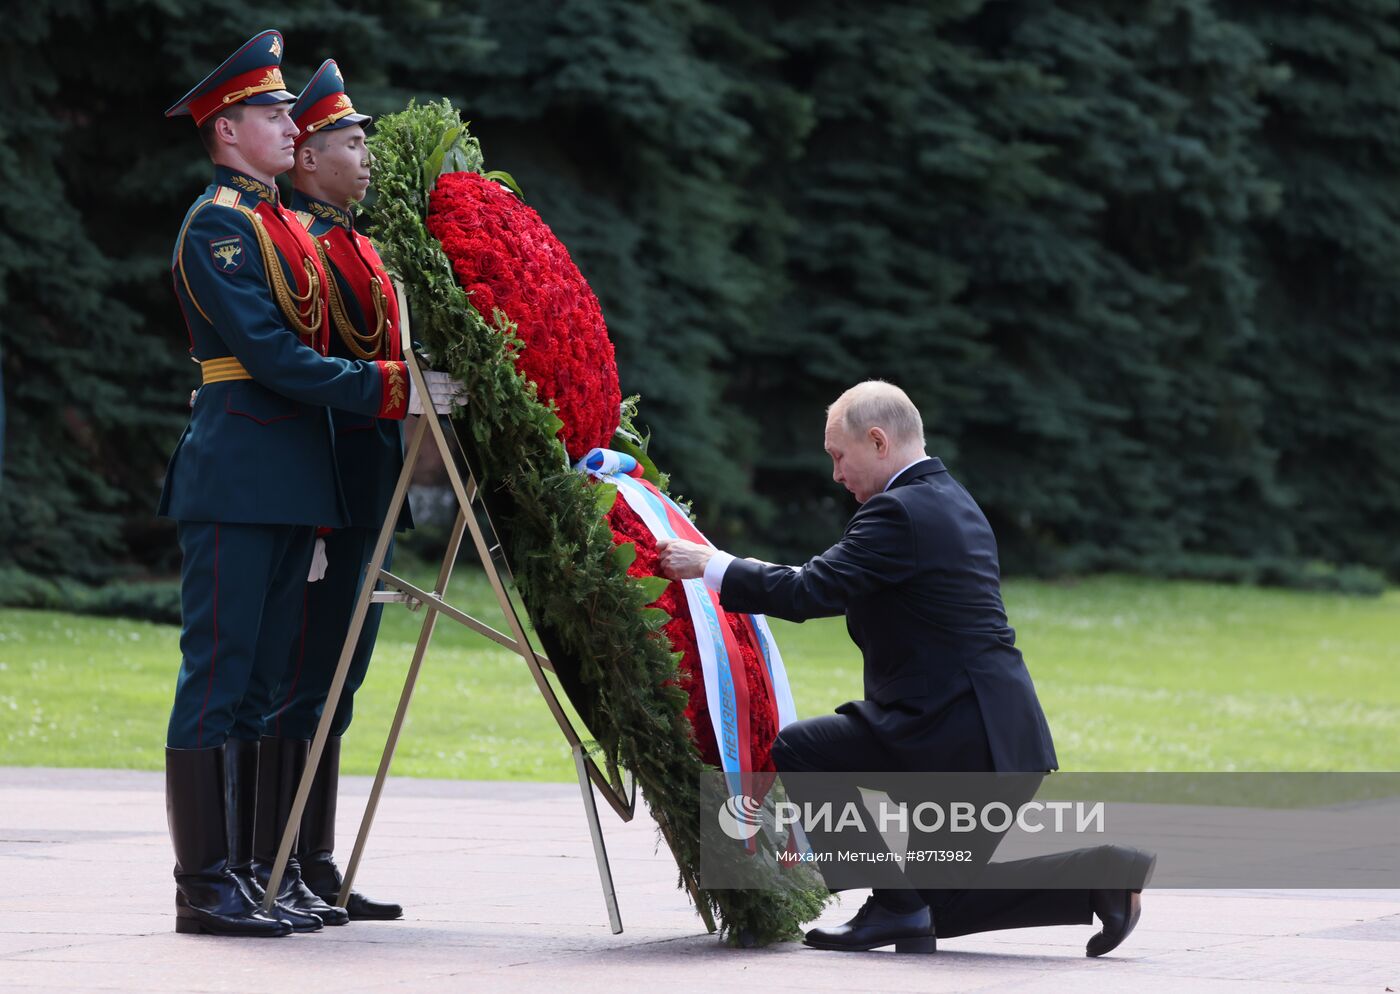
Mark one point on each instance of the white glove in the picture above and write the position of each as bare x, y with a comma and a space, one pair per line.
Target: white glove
318, 562
445, 392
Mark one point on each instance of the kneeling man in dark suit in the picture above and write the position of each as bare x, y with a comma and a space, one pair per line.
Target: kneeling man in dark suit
946, 689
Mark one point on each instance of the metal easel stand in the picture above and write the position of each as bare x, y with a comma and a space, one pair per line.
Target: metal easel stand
470, 514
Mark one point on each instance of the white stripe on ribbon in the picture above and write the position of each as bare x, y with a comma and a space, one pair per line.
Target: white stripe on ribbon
719, 688
714, 657
777, 672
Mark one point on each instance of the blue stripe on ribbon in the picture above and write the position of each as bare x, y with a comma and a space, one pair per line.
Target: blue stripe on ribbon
729, 708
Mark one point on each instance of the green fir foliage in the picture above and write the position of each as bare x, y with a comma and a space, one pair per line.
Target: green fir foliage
1328, 262
1135, 262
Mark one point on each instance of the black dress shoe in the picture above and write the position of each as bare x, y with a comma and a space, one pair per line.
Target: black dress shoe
875, 925
1120, 909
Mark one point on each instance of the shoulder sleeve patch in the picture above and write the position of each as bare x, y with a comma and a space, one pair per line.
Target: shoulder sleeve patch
227, 253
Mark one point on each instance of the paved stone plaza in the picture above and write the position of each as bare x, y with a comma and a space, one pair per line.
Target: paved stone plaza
502, 895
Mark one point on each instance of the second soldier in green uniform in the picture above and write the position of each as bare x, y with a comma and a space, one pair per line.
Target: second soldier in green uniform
332, 172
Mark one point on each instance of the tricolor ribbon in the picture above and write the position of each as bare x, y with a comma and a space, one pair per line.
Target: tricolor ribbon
603, 463
726, 687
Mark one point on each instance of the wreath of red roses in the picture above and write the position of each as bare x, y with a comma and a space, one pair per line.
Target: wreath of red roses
506, 257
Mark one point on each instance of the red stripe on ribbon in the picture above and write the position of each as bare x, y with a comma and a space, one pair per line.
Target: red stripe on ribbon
684, 528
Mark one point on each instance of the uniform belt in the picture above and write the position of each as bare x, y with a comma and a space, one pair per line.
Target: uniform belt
222, 370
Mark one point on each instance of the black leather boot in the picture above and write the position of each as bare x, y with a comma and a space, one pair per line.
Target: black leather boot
316, 843
280, 764
240, 803
208, 898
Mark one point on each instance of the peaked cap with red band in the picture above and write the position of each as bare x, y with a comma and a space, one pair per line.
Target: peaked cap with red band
324, 105
251, 75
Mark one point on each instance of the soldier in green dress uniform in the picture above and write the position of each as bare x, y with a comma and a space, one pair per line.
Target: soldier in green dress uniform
253, 475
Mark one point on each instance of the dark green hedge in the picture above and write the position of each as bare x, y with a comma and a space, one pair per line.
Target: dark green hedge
1136, 262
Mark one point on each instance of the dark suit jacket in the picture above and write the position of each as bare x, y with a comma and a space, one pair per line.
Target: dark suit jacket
916, 576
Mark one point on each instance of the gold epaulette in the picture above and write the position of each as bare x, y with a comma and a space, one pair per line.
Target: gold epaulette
224, 197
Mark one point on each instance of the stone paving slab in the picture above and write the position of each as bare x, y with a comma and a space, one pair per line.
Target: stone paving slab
502, 895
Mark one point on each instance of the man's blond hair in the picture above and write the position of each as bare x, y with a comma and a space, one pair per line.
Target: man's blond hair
877, 404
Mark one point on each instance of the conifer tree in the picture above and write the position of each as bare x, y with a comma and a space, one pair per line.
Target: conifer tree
1122, 300
1134, 262
1329, 264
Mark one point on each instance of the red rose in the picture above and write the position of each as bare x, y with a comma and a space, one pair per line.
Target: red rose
508, 258
482, 299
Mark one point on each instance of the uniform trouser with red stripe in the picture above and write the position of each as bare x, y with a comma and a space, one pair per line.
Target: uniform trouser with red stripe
293, 706
241, 589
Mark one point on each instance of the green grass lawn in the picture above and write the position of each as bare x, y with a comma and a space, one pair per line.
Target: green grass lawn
1134, 675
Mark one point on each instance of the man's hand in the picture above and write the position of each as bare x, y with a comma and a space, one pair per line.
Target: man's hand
445, 393
682, 560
